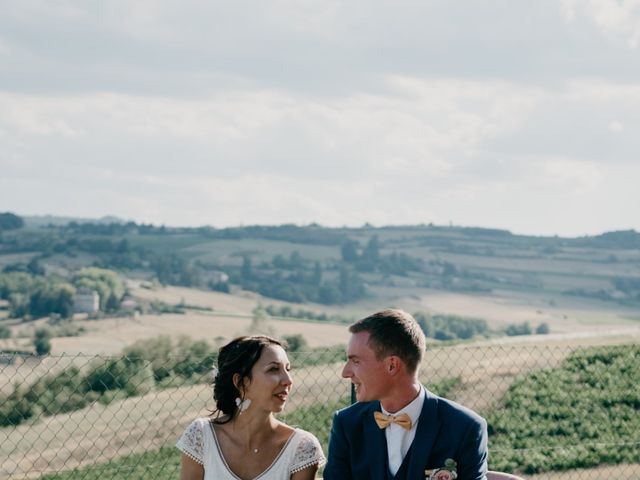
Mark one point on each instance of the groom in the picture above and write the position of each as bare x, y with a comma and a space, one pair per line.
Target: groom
399, 430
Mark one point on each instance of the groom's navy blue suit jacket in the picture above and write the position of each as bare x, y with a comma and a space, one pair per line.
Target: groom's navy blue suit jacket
358, 448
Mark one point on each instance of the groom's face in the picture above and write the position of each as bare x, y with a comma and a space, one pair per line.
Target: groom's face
365, 371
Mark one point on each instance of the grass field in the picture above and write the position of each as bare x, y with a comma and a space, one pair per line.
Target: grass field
139, 425
99, 433
163, 463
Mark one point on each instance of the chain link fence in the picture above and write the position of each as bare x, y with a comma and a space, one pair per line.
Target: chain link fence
554, 411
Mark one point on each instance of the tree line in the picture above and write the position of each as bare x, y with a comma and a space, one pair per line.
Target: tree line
33, 295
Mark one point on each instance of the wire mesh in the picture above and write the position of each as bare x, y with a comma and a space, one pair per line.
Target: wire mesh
554, 411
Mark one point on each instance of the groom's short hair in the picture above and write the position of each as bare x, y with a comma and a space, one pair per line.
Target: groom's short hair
394, 332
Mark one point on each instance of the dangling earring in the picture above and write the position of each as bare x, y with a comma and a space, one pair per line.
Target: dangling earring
242, 404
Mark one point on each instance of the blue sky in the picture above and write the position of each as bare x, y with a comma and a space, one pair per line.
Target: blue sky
508, 114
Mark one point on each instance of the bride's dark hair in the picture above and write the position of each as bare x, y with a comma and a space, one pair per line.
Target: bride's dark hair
238, 356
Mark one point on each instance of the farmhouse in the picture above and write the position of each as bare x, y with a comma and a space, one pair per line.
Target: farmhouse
215, 276
86, 301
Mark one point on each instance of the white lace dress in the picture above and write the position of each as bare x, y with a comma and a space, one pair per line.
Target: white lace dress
199, 442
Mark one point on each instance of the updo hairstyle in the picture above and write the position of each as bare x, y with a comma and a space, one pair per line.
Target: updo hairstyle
238, 356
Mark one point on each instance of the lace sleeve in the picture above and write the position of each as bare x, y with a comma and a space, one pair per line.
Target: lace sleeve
191, 442
308, 452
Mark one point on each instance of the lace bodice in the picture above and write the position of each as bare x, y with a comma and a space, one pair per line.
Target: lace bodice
199, 442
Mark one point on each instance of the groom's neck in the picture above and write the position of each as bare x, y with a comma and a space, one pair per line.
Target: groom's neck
401, 395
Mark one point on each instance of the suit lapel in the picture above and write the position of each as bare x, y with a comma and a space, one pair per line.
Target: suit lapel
426, 432
376, 444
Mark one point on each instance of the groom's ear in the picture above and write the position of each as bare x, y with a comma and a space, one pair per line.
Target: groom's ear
393, 365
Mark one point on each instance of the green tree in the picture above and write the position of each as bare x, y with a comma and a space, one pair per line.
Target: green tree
132, 374
372, 250
18, 305
350, 285
316, 279
295, 260
349, 251
279, 261
20, 282
193, 357
295, 342
52, 297
14, 409
10, 221
518, 329
259, 323
543, 329
158, 351
34, 267
247, 269
42, 341
5, 332
426, 324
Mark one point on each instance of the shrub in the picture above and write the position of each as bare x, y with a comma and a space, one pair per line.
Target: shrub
518, 329
42, 341
450, 327
5, 332
186, 359
295, 342
64, 392
14, 409
543, 329
131, 374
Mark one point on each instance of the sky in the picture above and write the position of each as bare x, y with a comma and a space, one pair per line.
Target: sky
514, 114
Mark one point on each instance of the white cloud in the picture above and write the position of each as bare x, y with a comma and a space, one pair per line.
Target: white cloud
5, 48
615, 126
192, 112
31, 115
613, 17
571, 175
421, 126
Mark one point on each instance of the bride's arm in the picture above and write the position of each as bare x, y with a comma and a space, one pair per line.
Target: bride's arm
192, 470
308, 473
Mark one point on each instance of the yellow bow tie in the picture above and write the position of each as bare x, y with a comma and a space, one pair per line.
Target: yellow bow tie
384, 421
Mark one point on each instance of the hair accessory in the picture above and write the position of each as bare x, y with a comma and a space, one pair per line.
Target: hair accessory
242, 404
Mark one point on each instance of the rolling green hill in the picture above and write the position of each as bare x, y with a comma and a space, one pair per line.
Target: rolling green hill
336, 265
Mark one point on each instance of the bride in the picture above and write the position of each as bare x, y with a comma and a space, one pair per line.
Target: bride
243, 440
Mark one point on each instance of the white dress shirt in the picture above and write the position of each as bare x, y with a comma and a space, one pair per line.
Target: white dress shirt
398, 439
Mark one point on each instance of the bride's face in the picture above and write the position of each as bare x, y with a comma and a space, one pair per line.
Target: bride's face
270, 381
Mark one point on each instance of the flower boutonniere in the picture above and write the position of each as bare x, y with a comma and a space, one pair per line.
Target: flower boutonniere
448, 472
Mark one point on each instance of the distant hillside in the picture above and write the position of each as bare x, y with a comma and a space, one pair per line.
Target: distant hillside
45, 220
334, 265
